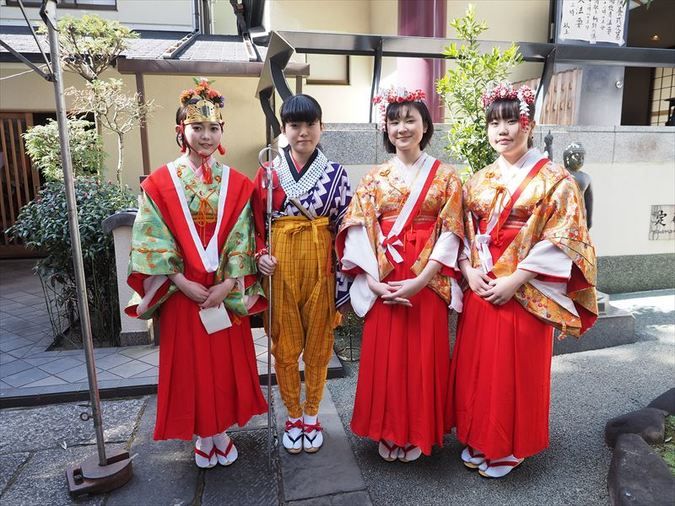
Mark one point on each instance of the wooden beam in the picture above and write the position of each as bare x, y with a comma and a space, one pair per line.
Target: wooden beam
145, 147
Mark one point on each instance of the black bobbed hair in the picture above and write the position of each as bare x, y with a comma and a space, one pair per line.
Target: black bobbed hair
300, 108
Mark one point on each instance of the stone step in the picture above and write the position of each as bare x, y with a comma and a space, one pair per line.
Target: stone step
327, 477
613, 328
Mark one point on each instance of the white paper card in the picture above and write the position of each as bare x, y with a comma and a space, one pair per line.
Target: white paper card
215, 319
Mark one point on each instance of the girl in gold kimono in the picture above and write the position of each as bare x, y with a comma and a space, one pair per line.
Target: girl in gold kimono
530, 266
400, 240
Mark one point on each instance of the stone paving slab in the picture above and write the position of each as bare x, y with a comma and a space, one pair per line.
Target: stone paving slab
10, 466
42, 479
328, 472
164, 472
347, 499
58, 376
64, 425
249, 481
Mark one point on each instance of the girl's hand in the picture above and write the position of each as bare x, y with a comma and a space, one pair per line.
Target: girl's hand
377, 287
217, 293
404, 290
502, 289
267, 264
382, 290
479, 282
191, 289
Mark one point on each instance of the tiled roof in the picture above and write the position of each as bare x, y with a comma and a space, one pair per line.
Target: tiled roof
151, 44
209, 54
216, 48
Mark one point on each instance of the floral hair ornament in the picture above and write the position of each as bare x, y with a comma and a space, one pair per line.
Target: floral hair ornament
394, 95
505, 91
203, 105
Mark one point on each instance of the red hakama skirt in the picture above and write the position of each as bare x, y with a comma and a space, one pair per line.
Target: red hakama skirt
501, 375
207, 382
405, 361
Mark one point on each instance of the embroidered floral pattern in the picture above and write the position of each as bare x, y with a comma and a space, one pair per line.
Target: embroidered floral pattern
551, 207
383, 192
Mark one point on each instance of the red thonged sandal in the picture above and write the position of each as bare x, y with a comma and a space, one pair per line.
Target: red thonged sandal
472, 458
210, 458
388, 451
499, 468
293, 444
312, 443
227, 457
409, 453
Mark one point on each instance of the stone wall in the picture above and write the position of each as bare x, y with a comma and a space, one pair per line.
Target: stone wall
633, 168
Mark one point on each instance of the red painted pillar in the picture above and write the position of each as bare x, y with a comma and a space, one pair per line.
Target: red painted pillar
422, 18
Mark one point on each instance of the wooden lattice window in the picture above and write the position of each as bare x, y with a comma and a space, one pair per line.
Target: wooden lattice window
663, 89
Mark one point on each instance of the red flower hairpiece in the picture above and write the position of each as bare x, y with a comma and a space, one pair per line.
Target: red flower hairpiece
505, 91
394, 96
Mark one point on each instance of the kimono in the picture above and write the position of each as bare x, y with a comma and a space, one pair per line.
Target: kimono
528, 216
207, 382
401, 218
306, 288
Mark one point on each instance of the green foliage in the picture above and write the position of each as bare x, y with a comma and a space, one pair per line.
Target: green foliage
90, 44
44, 150
667, 448
43, 224
115, 110
462, 87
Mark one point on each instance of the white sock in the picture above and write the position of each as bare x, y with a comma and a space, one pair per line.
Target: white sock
293, 439
204, 444
309, 420
499, 471
222, 441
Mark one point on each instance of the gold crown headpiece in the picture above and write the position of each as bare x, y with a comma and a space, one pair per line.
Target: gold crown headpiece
204, 104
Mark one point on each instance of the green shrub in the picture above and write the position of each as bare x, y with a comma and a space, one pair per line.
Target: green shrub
44, 150
468, 75
43, 224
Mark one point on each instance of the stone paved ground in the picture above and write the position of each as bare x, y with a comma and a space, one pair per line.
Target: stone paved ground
27, 370
590, 387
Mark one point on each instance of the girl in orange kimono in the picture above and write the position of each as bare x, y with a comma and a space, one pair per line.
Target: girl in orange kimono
400, 241
531, 267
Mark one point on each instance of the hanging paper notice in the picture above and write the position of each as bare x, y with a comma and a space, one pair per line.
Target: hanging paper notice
593, 20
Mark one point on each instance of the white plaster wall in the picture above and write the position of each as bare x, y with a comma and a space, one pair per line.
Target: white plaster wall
623, 196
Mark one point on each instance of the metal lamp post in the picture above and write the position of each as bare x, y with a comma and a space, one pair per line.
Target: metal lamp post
101, 472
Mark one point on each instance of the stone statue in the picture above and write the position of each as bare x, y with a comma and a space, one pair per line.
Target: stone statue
548, 143
573, 158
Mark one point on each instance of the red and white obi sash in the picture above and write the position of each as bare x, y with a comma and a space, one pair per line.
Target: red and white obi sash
427, 167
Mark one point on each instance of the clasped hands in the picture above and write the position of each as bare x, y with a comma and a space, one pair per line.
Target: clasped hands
496, 291
209, 297
396, 292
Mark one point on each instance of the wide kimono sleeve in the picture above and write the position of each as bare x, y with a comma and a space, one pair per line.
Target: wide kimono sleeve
341, 200
357, 244
237, 261
154, 256
559, 228
446, 244
566, 229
